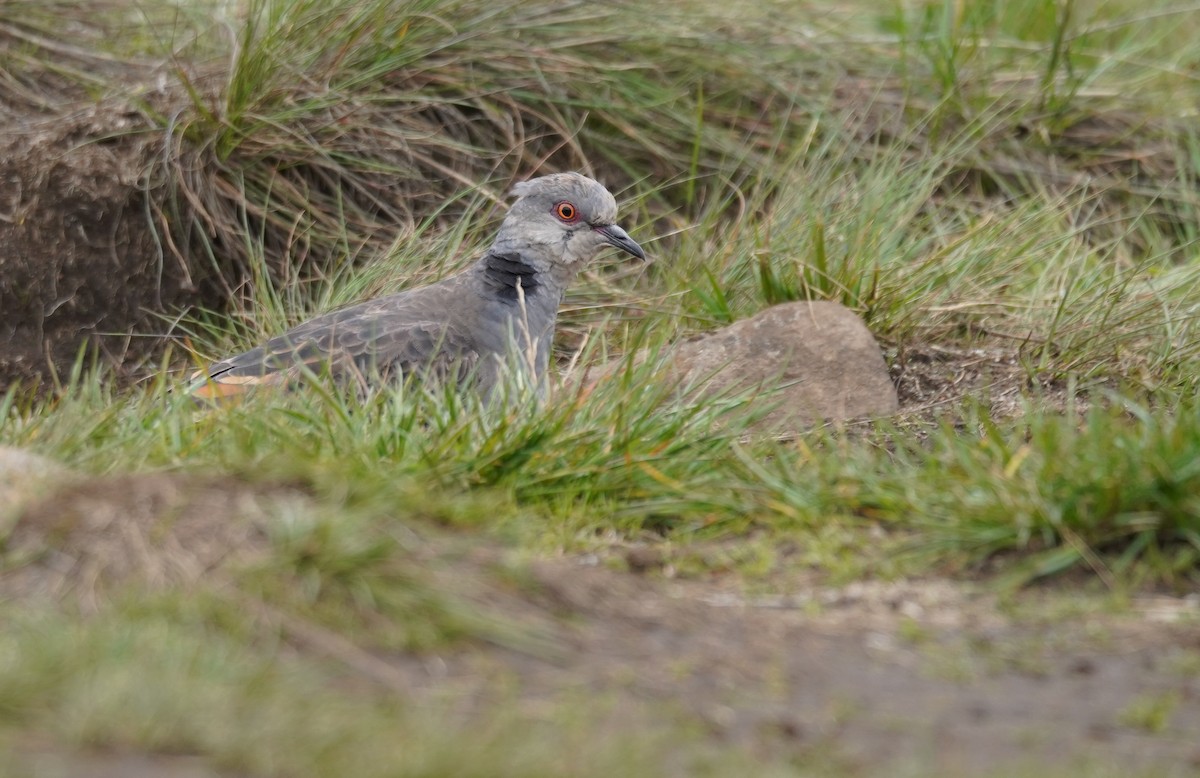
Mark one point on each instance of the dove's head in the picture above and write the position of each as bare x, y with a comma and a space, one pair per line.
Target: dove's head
564, 219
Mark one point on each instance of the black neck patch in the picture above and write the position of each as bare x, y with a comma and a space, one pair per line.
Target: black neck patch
507, 271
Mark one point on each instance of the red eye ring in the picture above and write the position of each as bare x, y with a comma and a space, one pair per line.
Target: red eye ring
566, 211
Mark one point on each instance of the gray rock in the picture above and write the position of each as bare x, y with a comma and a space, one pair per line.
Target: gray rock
815, 361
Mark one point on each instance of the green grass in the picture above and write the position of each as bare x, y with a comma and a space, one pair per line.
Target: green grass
1014, 177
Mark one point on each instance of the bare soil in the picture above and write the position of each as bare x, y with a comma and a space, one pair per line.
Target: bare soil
927, 675
80, 264
924, 676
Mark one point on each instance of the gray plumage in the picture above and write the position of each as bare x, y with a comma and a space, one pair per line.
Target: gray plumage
500, 310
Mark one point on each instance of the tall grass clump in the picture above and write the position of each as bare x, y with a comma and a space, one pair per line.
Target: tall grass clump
1102, 491
344, 122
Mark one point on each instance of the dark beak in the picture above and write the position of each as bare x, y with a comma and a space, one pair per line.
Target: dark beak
615, 236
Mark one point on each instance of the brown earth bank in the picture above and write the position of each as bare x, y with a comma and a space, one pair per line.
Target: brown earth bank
80, 264
922, 677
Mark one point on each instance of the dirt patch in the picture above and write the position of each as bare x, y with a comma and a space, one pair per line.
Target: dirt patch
80, 260
926, 676
931, 379
155, 530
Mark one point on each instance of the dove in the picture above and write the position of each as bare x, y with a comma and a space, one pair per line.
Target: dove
500, 311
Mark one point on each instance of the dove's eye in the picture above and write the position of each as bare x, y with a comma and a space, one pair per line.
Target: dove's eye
566, 212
